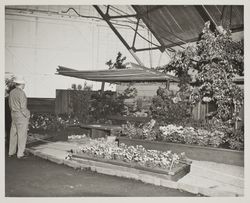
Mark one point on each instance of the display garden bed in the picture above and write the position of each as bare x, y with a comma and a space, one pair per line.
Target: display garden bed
226, 156
174, 174
131, 159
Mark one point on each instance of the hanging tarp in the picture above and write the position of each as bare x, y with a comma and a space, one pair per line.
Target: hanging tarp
135, 74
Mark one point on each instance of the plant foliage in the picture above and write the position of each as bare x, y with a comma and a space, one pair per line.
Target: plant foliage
118, 64
168, 108
216, 59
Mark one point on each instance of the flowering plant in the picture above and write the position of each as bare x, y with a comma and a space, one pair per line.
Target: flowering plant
189, 135
75, 137
50, 121
203, 136
100, 148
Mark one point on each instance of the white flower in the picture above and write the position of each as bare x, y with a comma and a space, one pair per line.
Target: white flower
175, 100
206, 99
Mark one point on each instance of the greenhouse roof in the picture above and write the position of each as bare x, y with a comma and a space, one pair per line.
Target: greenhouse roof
174, 25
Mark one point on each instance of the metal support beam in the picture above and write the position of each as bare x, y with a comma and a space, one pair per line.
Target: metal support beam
149, 27
136, 29
123, 16
106, 18
136, 57
205, 15
147, 49
107, 11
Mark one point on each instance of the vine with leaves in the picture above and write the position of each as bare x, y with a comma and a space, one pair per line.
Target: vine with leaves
216, 59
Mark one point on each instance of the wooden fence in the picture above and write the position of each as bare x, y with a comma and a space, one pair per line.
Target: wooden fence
41, 105
199, 111
66, 103
63, 103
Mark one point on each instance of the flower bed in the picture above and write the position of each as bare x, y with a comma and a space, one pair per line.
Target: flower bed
50, 122
190, 135
58, 126
184, 135
198, 144
137, 156
195, 152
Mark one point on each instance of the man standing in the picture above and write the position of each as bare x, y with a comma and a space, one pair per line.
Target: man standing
20, 119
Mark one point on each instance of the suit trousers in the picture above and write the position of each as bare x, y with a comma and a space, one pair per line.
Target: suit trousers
18, 134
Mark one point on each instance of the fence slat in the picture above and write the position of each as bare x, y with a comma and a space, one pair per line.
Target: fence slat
41, 105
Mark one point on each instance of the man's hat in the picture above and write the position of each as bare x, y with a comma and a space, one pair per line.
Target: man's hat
19, 80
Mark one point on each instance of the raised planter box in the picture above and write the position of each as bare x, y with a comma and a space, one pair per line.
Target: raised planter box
174, 175
226, 156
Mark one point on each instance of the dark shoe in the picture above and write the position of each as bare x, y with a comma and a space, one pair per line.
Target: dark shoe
23, 157
26, 153
10, 156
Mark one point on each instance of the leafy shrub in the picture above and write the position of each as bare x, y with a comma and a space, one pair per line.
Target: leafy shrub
104, 104
81, 104
147, 131
167, 108
235, 139
131, 131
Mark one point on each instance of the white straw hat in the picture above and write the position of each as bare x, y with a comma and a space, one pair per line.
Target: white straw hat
19, 80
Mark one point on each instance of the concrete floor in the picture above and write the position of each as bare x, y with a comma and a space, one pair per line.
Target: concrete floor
207, 178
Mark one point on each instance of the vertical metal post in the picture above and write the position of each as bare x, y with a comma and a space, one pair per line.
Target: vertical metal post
138, 20
106, 18
107, 11
222, 14
162, 49
168, 85
103, 86
231, 10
